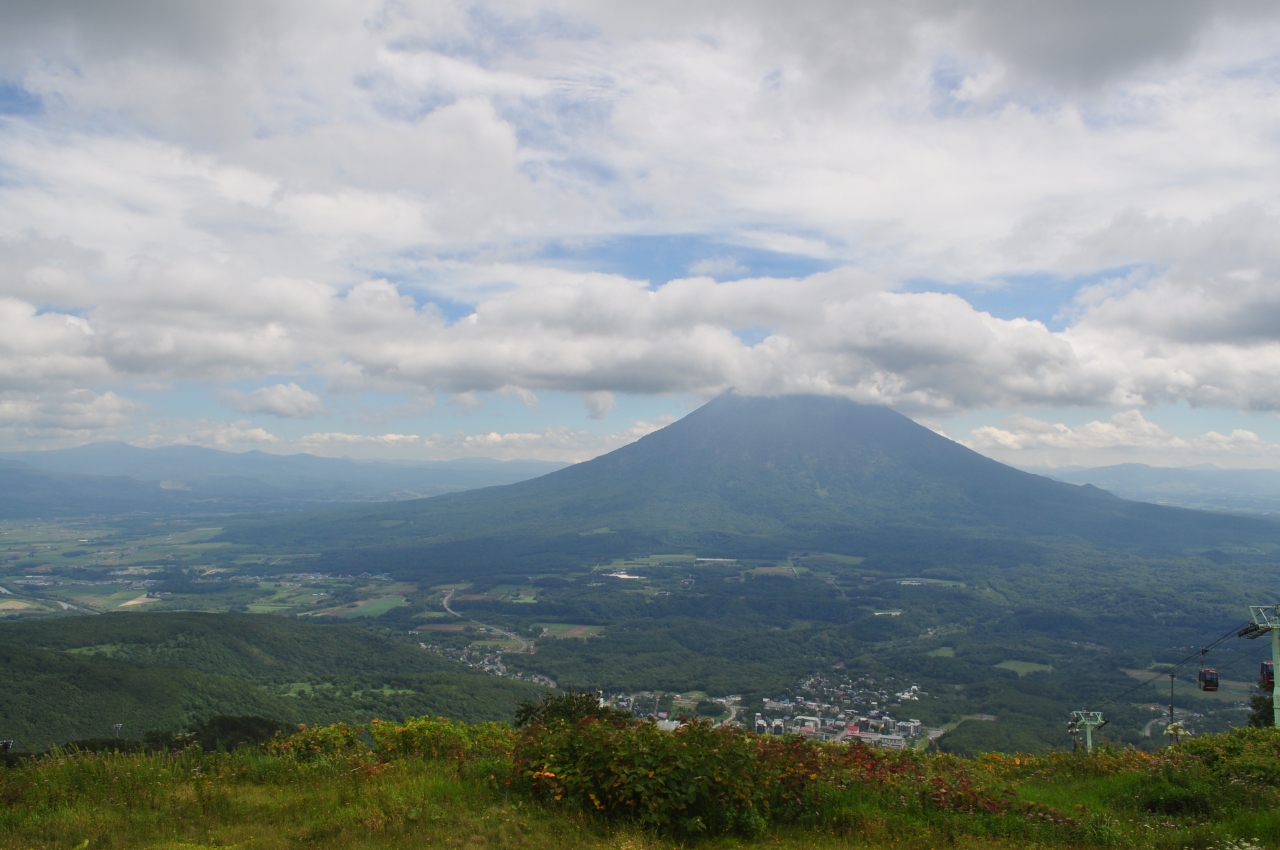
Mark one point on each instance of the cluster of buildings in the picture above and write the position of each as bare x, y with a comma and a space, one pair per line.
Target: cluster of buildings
658, 706
843, 709
478, 659
821, 708
487, 660
41, 582
878, 731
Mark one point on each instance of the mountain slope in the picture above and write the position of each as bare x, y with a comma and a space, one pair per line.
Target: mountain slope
749, 474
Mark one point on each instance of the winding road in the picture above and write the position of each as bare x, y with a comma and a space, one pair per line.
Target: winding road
733, 712
524, 644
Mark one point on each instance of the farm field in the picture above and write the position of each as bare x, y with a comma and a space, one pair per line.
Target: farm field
1022, 668
372, 607
169, 565
568, 630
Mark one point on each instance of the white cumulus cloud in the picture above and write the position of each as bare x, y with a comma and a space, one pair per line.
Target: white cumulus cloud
399, 200
284, 400
1127, 436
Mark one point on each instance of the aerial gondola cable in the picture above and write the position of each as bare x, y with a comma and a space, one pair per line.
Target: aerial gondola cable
1197, 654
1186, 684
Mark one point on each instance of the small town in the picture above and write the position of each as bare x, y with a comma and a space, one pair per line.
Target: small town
839, 707
825, 709
846, 708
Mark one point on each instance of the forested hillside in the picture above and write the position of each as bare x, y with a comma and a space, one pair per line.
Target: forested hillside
76, 677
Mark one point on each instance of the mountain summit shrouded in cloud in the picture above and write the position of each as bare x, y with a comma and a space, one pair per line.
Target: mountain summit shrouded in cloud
755, 478
438, 229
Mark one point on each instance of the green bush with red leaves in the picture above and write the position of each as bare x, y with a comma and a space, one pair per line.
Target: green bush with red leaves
702, 780
706, 780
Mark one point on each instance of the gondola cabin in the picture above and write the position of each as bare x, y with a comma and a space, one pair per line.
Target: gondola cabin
1208, 679
1267, 675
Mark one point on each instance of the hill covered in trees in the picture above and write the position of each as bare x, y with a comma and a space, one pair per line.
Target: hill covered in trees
76, 677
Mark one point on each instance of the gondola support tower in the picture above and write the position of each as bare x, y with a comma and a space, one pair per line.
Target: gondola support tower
1265, 619
1088, 721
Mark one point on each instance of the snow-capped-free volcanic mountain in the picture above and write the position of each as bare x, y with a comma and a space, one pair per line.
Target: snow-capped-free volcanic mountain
756, 477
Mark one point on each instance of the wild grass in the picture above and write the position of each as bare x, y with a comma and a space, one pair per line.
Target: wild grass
250, 798
434, 783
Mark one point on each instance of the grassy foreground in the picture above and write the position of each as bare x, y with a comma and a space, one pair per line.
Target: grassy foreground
581, 782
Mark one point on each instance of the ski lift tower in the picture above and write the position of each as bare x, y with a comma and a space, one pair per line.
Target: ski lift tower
1264, 619
1088, 721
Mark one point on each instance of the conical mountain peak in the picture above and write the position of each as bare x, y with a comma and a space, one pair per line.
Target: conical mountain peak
750, 474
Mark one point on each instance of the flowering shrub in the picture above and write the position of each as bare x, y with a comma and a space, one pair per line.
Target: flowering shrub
1248, 754
439, 738
311, 743
699, 779
368, 749
339, 746
702, 779
425, 775
1103, 761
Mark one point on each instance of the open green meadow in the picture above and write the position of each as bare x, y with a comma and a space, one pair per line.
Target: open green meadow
1022, 668
568, 630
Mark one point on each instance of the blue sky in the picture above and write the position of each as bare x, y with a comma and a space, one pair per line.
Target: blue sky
660, 259
542, 230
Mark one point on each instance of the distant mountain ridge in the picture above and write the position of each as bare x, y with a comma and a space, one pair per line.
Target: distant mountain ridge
1204, 487
747, 475
117, 477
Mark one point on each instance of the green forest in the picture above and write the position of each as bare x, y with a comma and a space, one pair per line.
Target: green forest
78, 677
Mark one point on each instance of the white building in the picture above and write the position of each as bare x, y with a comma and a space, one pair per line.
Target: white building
892, 742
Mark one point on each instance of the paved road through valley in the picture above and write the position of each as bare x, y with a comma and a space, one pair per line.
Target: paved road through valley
524, 644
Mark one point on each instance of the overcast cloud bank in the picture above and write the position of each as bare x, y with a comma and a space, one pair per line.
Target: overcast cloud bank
297, 210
